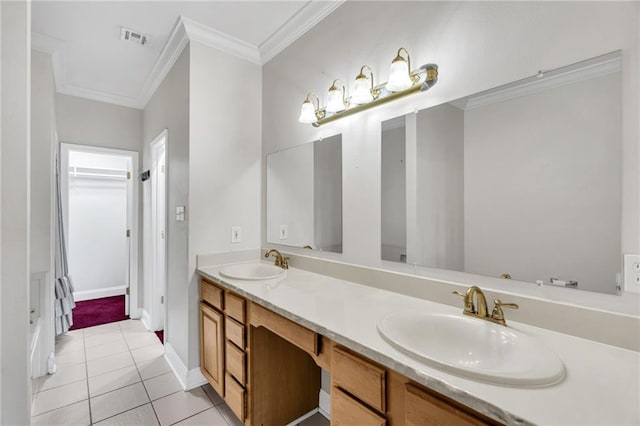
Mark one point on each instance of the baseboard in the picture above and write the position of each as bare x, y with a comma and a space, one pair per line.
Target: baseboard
145, 318
195, 379
189, 379
324, 402
98, 293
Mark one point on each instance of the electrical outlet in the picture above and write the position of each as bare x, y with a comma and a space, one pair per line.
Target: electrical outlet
236, 234
632, 272
284, 232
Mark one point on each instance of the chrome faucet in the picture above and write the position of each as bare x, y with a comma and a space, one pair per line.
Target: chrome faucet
280, 260
497, 315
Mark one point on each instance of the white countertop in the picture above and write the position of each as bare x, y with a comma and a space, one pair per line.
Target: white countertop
601, 387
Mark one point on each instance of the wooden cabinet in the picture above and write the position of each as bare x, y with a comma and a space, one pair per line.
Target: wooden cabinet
267, 369
212, 347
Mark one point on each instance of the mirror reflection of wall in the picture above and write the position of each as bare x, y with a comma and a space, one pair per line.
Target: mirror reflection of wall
393, 205
525, 180
304, 195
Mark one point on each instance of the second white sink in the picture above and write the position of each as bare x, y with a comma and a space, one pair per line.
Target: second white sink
474, 348
252, 271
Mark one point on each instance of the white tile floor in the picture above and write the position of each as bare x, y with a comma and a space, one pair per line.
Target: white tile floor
115, 374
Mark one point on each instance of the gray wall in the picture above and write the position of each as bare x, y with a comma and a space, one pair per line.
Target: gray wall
15, 143
168, 108
224, 163
543, 194
88, 122
393, 194
291, 193
439, 188
327, 194
43, 144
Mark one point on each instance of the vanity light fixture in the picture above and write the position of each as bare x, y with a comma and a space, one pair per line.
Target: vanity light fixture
402, 82
335, 98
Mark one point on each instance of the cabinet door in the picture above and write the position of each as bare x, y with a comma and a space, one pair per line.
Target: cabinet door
212, 347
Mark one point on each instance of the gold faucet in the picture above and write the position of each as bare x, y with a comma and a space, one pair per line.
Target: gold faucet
280, 261
497, 315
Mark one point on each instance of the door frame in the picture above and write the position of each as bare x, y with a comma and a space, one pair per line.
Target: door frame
132, 210
158, 310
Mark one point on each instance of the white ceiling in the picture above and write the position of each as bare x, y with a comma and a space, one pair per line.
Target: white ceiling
91, 61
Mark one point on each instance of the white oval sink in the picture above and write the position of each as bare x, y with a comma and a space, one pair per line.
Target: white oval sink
252, 271
474, 348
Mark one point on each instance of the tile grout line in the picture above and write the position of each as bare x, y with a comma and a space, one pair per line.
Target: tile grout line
86, 367
142, 380
195, 414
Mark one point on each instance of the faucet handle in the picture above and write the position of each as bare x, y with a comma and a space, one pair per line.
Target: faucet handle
285, 262
499, 302
498, 314
469, 307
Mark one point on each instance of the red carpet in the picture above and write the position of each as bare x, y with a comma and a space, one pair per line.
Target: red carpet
98, 311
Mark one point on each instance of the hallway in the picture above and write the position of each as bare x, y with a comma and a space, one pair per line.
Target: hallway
115, 374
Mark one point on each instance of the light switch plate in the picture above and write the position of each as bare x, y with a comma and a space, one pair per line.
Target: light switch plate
236, 234
632, 272
180, 213
284, 232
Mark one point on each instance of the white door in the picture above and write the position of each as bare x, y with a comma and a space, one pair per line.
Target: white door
158, 231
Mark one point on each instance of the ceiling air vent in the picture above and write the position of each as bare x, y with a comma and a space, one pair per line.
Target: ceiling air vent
130, 35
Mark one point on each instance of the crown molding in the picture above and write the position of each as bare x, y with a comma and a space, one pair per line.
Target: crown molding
184, 31
221, 41
100, 96
57, 49
305, 19
581, 71
171, 51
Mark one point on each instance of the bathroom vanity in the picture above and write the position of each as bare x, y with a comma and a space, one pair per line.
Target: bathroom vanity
267, 368
264, 342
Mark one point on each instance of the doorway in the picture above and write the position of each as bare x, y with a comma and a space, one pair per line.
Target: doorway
99, 208
158, 233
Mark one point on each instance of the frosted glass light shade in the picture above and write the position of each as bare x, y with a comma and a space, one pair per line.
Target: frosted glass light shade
335, 101
399, 78
307, 113
362, 91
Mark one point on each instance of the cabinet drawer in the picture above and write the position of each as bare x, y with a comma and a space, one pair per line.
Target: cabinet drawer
235, 307
346, 411
211, 293
300, 336
235, 332
424, 409
360, 378
234, 396
235, 361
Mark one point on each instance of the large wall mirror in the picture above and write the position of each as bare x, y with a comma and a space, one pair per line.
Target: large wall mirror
521, 181
304, 195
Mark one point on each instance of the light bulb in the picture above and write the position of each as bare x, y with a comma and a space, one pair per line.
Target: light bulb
307, 113
335, 99
362, 90
399, 77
